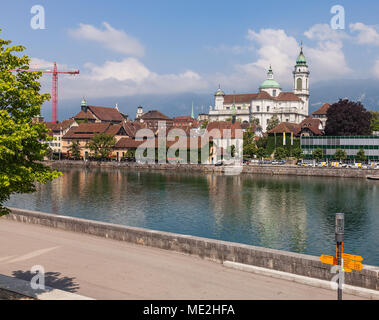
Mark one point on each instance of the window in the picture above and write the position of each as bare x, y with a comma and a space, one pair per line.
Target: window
268, 108
257, 108
274, 93
299, 84
227, 108
239, 108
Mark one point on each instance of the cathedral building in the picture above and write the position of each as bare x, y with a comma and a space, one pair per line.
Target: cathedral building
268, 102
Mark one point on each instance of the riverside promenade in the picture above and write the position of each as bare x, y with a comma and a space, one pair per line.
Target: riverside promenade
102, 268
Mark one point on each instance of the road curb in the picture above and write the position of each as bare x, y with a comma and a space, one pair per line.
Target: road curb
348, 289
23, 287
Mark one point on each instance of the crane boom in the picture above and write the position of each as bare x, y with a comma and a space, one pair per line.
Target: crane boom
55, 73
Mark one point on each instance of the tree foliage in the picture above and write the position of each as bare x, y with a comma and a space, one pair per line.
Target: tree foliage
318, 154
298, 153
102, 145
272, 122
21, 150
74, 149
374, 125
249, 146
361, 155
280, 153
347, 118
261, 153
340, 154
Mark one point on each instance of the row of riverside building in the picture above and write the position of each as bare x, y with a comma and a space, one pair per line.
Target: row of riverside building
92, 120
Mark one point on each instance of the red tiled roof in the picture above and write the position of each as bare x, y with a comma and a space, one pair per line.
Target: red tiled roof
183, 118
239, 98
247, 98
154, 115
312, 124
106, 114
224, 125
125, 143
58, 126
286, 127
287, 96
84, 115
88, 130
323, 109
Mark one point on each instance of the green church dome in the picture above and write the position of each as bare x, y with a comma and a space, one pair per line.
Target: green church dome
301, 58
270, 83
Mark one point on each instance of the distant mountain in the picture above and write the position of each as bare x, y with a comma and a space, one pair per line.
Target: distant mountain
367, 91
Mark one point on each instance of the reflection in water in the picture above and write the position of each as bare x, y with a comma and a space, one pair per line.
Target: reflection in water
281, 212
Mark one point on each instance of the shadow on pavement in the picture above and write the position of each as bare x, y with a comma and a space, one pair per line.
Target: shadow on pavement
52, 279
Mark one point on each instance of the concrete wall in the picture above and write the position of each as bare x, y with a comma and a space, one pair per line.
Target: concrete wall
299, 264
252, 169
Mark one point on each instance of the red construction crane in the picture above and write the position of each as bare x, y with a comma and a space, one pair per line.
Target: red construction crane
55, 73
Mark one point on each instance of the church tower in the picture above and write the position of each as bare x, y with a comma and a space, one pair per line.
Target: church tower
301, 81
219, 99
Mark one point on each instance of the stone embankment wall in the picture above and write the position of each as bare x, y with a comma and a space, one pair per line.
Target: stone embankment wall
252, 169
300, 264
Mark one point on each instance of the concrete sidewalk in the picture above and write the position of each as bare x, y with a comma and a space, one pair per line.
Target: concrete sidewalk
107, 269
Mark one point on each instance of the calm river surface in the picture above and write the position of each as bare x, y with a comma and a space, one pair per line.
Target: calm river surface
280, 212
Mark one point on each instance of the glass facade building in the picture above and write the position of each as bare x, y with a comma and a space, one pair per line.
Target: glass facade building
351, 145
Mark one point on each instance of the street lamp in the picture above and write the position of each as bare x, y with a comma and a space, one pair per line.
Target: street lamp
340, 233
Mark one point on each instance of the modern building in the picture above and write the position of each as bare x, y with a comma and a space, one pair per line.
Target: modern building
269, 101
351, 145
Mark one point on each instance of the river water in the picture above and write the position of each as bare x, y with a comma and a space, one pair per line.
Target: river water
281, 212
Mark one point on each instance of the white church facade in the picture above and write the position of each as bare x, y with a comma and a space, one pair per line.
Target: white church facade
269, 101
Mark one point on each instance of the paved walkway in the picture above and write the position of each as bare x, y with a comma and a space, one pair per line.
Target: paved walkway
108, 269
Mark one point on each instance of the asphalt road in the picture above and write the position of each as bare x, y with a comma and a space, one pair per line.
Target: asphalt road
108, 269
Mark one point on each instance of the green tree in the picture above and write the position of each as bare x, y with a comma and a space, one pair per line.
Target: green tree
298, 153
318, 154
21, 149
74, 149
131, 153
280, 153
204, 124
361, 155
374, 125
261, 153
340, 155
249, 146
272, 122
102, 145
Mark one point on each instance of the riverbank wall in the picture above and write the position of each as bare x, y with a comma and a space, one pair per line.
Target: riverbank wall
291, 170
216, 250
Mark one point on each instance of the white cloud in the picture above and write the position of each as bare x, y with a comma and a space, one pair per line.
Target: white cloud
322, 32
326, 60
127, 69
366, 34
111, 38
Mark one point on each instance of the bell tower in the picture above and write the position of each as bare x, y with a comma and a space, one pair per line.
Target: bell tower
301, 81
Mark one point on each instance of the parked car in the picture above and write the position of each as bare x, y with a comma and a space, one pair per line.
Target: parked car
219, 163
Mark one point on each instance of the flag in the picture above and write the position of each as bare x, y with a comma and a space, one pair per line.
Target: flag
291, 138
284, 138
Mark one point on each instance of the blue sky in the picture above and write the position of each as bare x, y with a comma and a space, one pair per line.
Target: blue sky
125, 48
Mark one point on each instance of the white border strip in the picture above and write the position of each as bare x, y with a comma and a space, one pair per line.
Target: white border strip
348, 289
23, 287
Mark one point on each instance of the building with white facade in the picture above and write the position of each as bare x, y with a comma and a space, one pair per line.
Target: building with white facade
269, 101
